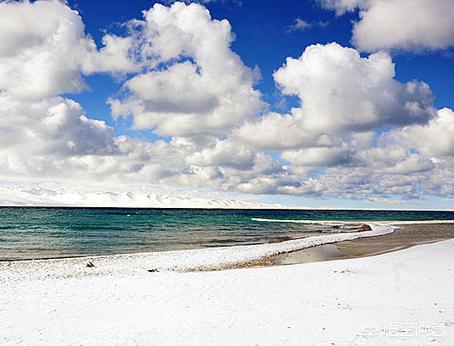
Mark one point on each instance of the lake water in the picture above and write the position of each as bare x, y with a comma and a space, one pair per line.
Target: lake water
32, 233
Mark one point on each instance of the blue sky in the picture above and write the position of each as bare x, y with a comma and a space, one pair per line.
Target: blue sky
334, 103
262, 39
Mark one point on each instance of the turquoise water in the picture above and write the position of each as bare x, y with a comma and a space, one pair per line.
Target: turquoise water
30, 233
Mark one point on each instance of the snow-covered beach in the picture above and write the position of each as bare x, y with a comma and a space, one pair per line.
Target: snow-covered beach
404, 297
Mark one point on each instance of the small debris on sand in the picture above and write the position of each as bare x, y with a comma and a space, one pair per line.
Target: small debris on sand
90, 264
153, 270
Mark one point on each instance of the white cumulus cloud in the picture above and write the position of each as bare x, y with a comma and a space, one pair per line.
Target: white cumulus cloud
400, 24
44, 50
201, 85
340, 93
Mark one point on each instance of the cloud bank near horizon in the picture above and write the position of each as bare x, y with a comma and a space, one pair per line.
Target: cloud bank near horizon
356, 133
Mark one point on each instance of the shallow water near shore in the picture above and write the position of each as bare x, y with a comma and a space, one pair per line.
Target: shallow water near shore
404, 236
33, 233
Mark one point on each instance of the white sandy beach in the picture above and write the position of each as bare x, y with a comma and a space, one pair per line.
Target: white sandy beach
399, 298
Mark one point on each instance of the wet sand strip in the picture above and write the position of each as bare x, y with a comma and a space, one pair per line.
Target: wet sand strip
405, 236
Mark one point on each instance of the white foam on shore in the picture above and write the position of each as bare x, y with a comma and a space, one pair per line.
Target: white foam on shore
228, 256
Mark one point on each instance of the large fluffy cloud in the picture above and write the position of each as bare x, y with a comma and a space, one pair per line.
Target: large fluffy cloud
55, 125
200, 86
44, 50
340, 92
400, 24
